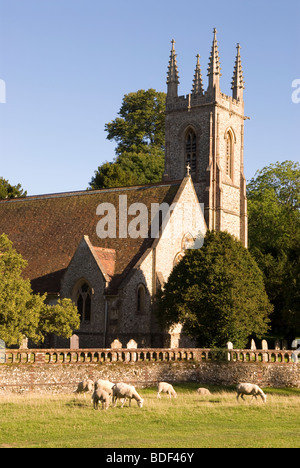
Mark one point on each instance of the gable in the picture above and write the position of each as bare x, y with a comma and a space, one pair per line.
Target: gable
47, 230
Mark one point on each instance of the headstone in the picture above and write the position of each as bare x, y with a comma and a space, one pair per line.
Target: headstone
264, 346
229, 346
2, 352
277, 345
24, 344
131, 344
74, 342
116, 344
253, 345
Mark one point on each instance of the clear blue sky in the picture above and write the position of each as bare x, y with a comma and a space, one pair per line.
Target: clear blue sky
68, 63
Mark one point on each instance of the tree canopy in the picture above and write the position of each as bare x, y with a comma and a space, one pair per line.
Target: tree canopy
139, 132
23, 313
10, 191
217, 293
274, 240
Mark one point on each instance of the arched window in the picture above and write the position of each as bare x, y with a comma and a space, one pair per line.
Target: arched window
191, 150
141, 296
84, 302
229, 154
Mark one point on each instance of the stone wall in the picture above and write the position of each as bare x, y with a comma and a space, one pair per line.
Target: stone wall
143, 368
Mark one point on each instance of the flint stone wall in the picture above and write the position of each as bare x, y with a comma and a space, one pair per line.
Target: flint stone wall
63, 378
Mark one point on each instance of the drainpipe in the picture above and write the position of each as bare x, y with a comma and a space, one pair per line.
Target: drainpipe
105, 322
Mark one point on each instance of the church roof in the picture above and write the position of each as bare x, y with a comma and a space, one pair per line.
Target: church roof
47, 230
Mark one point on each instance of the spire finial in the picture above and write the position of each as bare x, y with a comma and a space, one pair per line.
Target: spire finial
197, 82
238, 77
214, 69
173, 77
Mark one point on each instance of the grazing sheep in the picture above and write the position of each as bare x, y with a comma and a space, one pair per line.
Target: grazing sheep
104, 385
250, 389
123, 391
85, 386
203, 391
167, 388
103, 396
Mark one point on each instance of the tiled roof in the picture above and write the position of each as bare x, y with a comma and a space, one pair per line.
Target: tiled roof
47, 229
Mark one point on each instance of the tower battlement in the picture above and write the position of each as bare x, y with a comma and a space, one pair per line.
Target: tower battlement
205, 131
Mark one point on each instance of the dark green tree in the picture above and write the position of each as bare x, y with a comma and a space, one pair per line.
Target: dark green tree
10, 191
274, 239
139, 132
217, 293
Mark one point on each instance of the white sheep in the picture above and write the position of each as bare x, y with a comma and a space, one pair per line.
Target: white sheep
123, 391
203, 391
103, 396
104, 385
85, 386
250, 389
166, 388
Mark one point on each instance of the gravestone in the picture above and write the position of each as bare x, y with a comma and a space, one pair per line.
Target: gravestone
132, 344
229, 346
74, 342
2, 352
116, 344
264, 346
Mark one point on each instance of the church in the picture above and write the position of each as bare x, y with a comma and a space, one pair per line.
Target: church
110, 250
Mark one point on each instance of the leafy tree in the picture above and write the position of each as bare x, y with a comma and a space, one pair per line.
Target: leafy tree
10, 191
23, 313
274, 239
217, 293
139, 132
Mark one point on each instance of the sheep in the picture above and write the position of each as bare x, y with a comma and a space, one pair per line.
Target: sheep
103, 396
203, 391
104, 385
167, 388
250, 389
123, 391
85, 386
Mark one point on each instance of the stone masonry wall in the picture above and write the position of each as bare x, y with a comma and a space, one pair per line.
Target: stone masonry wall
63, 378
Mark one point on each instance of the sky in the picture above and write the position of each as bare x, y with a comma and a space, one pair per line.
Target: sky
65, 66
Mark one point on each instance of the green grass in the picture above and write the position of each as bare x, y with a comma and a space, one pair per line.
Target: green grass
190, 421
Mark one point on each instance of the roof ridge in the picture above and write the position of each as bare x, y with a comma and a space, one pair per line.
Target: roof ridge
89, 192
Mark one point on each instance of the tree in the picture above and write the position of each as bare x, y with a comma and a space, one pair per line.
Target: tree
139, 134
10, 191
23, 313
274, 239
217, 293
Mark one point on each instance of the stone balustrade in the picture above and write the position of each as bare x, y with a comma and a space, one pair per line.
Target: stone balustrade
85, 356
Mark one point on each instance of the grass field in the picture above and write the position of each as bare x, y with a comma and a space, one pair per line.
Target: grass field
190, 421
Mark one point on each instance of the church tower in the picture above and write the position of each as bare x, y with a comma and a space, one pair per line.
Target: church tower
205, 131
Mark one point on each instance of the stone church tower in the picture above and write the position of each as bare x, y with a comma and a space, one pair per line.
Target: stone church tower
205, 132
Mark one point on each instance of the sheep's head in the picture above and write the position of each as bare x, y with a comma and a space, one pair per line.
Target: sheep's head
140, 403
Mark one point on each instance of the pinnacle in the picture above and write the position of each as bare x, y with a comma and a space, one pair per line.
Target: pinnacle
214, 60
238, 77
173, 76
197, 82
